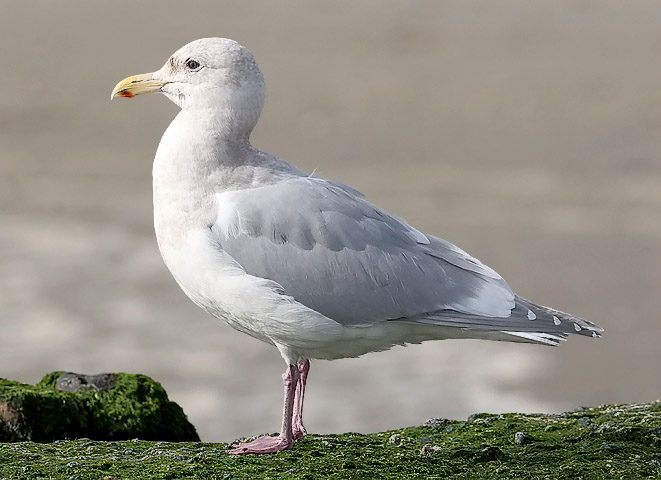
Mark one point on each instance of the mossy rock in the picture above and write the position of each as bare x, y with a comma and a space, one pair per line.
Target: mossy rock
39, 414
608, 442
130, 406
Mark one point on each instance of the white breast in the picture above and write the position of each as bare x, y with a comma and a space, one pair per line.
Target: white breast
253, 305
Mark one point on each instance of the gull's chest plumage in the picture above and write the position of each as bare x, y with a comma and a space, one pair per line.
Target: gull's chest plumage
208, 276
183, 210
183, 181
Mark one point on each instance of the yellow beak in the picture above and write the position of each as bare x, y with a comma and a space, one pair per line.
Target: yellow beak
137, 85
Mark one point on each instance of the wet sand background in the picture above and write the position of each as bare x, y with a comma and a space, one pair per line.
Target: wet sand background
527, 133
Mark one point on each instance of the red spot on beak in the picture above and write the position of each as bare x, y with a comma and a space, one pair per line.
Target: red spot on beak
126, 93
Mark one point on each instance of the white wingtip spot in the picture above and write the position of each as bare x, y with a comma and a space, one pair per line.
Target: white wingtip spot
577, 327
531, 315
556, 320
594, 335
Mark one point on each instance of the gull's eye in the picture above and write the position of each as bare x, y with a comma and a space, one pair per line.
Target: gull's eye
192, 64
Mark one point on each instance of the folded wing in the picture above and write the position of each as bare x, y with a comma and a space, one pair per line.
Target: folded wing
338, 254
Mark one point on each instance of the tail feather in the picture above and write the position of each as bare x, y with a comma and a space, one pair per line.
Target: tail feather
527, 320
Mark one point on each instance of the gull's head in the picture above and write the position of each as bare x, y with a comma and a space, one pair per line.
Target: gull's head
214, 74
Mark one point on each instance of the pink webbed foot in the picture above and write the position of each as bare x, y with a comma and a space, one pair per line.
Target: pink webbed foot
264, 444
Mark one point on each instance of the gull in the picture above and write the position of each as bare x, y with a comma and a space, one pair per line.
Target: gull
304, 263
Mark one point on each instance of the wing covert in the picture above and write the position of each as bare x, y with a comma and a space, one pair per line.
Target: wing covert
340, 255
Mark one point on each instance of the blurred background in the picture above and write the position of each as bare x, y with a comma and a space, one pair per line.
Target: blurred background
527, 133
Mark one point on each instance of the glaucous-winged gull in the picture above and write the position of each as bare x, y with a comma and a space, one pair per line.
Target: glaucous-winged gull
300, 262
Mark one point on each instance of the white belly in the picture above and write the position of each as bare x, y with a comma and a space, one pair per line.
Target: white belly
256, 306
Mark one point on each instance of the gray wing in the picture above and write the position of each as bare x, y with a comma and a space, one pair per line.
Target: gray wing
338, 254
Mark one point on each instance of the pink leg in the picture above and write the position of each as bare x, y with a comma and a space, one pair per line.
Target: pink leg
297, 422
266, 443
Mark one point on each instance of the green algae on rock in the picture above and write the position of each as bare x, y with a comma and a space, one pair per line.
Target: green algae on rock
38, 414
134, 406
619, 441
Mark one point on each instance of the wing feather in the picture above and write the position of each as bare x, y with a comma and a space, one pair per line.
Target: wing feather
336, 253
